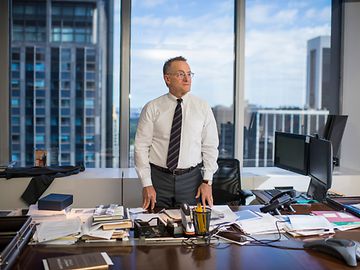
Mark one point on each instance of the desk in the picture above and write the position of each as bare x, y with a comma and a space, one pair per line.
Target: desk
177, 257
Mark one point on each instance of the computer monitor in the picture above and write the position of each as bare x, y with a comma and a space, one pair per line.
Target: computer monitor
333, 132
291, 151
320, 168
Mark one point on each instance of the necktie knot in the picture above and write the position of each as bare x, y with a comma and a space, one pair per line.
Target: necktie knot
179, 100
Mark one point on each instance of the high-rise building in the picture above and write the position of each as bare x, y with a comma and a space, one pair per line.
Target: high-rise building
318, 73
224, 117
58, 81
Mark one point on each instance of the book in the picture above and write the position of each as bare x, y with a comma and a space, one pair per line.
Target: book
97, 260
122, 224
55, 202
110, 212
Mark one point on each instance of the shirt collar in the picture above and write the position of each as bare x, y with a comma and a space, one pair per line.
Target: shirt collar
184, 97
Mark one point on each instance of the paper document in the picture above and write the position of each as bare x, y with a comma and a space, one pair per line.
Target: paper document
247, 214
224, 215
50, 230
137, 210
264, 225
307, 222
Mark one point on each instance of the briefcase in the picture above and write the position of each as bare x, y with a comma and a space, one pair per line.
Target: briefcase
15, 232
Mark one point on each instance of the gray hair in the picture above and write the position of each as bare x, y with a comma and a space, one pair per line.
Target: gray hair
168, 63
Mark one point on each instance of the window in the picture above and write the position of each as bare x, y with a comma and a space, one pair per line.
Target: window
162, 30
284, 56
60, 79
74, 76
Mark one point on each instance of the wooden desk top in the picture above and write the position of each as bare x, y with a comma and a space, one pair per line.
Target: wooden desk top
223, 256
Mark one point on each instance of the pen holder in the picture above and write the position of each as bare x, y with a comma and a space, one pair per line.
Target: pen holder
201, 221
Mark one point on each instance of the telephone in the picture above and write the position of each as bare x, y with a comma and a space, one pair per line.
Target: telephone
281, 200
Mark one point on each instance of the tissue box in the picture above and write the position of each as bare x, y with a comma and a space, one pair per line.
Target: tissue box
55, 202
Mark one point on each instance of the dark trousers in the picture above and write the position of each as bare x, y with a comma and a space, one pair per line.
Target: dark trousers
173, 190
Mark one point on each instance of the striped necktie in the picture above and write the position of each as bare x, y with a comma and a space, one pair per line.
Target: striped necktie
175, 137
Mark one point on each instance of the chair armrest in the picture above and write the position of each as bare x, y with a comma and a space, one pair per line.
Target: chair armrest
245, 193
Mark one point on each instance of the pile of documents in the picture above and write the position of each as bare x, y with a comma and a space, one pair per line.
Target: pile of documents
340, 220
306, 225
296, 225
46, 215
108, 223
261, 224
64, 232
89, 224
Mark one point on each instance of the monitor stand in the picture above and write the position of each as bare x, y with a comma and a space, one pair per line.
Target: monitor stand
317, 190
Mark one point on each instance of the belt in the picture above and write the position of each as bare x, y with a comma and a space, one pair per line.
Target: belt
174, 172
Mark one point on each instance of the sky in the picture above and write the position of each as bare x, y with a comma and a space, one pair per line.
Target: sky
203, 32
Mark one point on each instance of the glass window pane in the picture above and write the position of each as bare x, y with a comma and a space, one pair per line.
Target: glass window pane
51, 77
204, 34
284, 43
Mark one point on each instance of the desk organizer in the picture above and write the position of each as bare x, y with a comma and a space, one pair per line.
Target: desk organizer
15, 232
143, 229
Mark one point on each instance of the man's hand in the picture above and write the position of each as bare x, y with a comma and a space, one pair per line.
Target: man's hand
205, 191
149, 197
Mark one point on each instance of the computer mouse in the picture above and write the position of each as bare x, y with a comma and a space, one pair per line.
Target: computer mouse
345, 249
358, 251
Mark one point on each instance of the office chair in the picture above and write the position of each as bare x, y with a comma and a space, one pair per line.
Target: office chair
226, 184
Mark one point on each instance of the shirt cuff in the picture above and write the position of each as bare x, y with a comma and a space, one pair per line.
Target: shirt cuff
146, 182
208, 176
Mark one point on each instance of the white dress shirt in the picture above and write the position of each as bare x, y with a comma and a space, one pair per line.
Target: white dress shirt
199, 136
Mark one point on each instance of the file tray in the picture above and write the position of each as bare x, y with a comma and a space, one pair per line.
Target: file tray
350, 204
15, 232
143, 229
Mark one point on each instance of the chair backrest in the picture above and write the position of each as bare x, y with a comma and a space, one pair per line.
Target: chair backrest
227, 182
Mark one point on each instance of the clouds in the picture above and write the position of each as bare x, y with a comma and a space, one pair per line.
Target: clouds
276, 48
203, 32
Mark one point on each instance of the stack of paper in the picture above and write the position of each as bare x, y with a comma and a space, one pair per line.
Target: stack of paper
264, 224
58, 232
304, 225
46, 215
221, 214
110, 212
107, 224
341, 220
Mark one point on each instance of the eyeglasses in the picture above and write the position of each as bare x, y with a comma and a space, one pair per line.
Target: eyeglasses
182, 74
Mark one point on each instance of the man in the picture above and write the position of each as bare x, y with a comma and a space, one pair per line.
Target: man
176, 143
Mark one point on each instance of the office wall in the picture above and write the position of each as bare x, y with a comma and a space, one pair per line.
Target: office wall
350, 152
89, 188
98, 186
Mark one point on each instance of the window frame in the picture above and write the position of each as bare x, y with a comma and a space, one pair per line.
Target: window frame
124, 74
